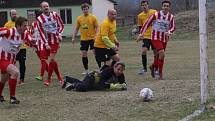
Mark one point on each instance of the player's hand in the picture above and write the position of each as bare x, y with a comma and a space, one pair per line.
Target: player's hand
140, 37
168, 33
73, 41
48, 47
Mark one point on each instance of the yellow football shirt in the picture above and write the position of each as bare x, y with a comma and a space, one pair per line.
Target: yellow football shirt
11, 24
107, 28
142, 17
87, 26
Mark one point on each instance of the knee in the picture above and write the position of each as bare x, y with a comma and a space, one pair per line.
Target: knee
161, 54
15, 74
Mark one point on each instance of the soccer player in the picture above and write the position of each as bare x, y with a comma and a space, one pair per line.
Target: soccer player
40, 47
163, 26
110, 78
106, 44
146, 41
88, 24
10, 43
51, 26
21, 56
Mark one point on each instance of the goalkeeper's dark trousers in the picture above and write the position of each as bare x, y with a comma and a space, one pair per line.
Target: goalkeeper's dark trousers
21, 57
85, 85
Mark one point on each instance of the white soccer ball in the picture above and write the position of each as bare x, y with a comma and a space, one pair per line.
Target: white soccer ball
146, 94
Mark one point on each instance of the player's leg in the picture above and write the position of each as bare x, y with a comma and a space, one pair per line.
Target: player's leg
14, 73
22, 66
84, 49
4, 77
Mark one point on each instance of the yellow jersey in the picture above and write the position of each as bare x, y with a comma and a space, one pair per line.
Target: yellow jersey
11, 24
142, 17
107, 28
87, 25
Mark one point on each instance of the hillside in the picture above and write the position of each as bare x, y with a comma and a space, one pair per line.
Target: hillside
188, 25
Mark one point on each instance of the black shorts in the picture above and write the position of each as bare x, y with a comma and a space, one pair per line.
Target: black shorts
147, 43
21, 55
104, 54
86, 44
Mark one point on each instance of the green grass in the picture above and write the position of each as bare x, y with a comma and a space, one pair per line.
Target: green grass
177, 96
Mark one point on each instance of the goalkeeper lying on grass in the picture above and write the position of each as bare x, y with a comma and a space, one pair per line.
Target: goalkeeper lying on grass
111, 78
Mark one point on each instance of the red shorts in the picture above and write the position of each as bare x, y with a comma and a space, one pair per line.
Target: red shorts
159, 45
3, 65
54, 48
43, 54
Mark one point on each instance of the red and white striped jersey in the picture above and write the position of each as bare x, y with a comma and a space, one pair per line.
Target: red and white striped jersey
40, 44
162, 26
51, 27
11, 41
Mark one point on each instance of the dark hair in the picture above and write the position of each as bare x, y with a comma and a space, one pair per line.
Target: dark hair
20, 20
38, 13
119, 63
166, 1
144, 1
84, 5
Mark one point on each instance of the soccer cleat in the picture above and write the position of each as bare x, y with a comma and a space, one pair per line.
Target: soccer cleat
2, 99
39, 78
47, 82
13, 100
142, 71
152, 71
70, 87
21, 82
85, 72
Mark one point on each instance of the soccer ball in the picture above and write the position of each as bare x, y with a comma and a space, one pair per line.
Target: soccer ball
146, 94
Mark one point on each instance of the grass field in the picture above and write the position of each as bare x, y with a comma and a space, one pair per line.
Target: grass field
175, 97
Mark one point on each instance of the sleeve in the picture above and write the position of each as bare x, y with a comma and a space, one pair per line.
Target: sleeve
60, 24
96, 23
78, 22
4, 32
28, 39
104, 33
172, 26
42, 32
105, 76
147, 23
139, 21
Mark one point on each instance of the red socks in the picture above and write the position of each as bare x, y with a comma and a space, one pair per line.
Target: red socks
44, 67
53, 66
12, 87
160, 65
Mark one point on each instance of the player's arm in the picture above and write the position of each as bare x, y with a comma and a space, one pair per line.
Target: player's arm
42, 34
4, 32
104, 33
75, 32
172, 26
60, 24
145, 26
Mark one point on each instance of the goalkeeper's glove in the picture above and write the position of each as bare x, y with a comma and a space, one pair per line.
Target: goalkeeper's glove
118, 86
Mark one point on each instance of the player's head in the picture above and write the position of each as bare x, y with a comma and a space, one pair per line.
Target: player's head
21, 24
119, 67
112, 14
85, 8
144, 5
45, 7
38, 13
13, 14
166, 5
